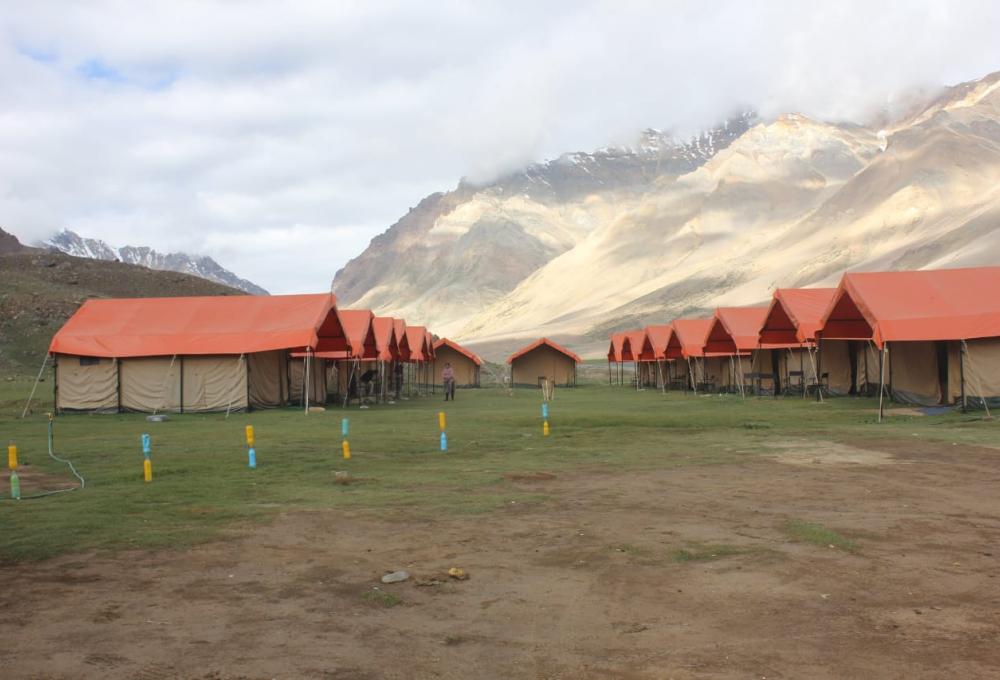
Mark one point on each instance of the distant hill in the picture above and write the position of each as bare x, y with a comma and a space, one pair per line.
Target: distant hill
41, 289
71, 243
593, 242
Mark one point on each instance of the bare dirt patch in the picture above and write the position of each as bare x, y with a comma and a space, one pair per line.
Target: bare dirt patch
674, 573
35, 481
818, 452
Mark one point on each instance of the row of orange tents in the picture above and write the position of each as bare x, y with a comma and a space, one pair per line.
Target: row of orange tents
235, 352
924, 337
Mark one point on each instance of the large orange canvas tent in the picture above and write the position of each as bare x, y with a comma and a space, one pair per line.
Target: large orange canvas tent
359, 327
794, 316
464, 363
188, 353
735, 334
543, 359
386, 345
686, 349
730, 344
659, 336
420, 356
638, 348
616, 356
936, 332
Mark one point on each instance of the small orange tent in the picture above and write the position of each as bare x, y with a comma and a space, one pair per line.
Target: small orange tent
543, 359
465, 363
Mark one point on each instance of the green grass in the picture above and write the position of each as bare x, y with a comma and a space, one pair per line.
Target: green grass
817, 534
202, 487
705, 552
381, 598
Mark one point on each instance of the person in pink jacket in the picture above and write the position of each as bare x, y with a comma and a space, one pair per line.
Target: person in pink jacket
448, 380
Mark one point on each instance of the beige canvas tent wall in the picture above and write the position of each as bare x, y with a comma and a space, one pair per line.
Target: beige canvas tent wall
317, 379
543, 359
187, 354
464, 363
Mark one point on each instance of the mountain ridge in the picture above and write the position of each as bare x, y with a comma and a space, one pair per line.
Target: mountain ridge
71, 243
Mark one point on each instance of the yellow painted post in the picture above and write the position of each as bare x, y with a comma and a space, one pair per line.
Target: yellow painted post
12, 456
147, 470
346, 446
250, 435
545, 428
441, 420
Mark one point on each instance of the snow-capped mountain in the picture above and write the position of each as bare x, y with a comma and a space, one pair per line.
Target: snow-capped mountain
72, 243
457, 252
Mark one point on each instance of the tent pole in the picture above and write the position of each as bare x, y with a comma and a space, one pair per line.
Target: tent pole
815, 367
609, 372
982, 391
739, 362
308, 361
889, 355
38, 379
961, 370
881, 382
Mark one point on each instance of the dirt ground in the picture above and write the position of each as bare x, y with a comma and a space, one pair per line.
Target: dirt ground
588, 584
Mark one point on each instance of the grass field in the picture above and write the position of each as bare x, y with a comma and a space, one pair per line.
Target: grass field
202, 483
649, 536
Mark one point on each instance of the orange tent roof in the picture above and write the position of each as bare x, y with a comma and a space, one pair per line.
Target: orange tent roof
385, 338
615, 349
659, 336
238, 324
538, 343
687, 338
943, 304
445, 342
360, 333
402, 341
417, 338
795, 315
735, 330
638, 346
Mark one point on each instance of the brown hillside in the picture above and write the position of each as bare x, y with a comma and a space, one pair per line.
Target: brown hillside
42, 289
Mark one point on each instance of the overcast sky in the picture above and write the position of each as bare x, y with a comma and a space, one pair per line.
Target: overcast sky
280, 137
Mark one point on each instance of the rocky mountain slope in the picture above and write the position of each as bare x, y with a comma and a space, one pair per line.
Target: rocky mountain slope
72, 243
461, 251
790, 202
41, 289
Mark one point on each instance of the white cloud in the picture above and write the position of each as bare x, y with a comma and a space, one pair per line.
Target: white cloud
224, 128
